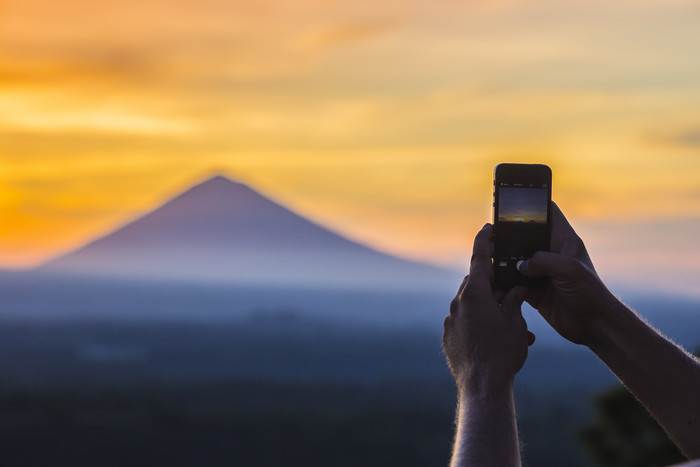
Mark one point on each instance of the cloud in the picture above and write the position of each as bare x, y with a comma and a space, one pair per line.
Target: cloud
358, 98
96, 120
656, 254
690, 137
340, 34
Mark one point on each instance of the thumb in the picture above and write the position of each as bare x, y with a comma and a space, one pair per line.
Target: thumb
530, 338
513, 301
545, 263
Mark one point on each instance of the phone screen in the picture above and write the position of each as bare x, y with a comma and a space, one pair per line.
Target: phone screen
527, 205
521, 218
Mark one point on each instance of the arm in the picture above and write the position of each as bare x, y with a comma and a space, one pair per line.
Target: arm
485, 342
664, 377
486, 429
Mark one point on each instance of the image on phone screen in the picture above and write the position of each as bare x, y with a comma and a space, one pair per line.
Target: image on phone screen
521, 218
523, 205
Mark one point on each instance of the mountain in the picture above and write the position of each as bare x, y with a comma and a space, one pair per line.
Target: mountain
221, 230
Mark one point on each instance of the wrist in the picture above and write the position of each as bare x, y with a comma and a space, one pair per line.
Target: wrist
486, 419
603, 331
485, 396
485, 383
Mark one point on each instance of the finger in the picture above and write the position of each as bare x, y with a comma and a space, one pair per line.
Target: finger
462, 285
554, 265
565, 240
447, 331
480, 268
492, 253
558, 217
559, 222
454, 304
562, 232
533, 297
513, 301
530, 338
499, 295
446, 327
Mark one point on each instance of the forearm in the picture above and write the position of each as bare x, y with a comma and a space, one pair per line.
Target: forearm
486, 429
664, 377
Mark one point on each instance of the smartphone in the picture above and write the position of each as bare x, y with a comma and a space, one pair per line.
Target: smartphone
521, 219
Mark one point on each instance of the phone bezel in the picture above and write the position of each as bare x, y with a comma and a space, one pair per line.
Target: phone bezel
526, 175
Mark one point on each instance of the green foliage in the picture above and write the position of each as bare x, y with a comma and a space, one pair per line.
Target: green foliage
625, 435
225, 423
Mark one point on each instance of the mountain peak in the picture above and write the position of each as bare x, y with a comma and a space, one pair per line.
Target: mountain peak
217, 182
223, 230
218, 190
218, 179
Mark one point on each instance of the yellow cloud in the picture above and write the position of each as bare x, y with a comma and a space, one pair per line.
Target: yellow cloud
382, 120
340, 34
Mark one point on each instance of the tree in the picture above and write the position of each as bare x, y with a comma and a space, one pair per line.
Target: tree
625, 435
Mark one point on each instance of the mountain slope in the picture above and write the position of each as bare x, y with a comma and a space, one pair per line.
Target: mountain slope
225, 231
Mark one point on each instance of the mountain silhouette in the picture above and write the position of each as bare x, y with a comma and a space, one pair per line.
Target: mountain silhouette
221, 230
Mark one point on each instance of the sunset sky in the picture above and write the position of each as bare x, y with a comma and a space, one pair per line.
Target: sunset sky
382, 120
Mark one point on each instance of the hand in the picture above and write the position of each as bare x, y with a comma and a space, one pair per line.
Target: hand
485, 339
575, 299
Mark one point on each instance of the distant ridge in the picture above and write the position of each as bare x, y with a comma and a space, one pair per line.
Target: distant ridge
222, 230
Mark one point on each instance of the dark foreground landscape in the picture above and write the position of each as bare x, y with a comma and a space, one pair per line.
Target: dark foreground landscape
245, 383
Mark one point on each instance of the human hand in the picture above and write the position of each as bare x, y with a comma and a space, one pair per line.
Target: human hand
575, 299
486, 337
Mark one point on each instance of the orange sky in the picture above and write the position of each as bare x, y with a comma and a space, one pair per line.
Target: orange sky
382, 120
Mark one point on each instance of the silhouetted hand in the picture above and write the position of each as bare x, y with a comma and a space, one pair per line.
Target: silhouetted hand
575, 299
663, 376
485, 339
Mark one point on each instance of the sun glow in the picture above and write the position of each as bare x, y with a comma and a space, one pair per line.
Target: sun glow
381, 120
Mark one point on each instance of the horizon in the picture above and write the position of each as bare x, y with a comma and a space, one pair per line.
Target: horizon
629, 287
212, 176
381, 122
219, 230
